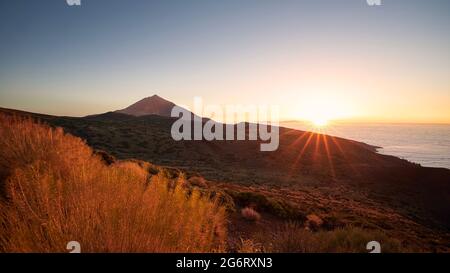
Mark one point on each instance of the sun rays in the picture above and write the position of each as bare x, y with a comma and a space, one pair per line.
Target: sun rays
317, 148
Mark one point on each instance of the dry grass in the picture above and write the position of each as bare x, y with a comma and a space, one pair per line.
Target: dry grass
248, 246
56, 191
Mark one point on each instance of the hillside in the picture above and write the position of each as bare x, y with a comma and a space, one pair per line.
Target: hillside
56, 189
341, 181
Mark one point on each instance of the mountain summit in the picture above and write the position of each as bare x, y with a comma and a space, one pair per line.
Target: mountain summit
154, 105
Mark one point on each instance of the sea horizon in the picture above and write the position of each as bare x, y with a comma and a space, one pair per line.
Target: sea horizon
430, 146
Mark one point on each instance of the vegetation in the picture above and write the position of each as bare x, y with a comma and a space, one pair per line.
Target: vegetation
276, 207
293, 238
250, 214
57, 190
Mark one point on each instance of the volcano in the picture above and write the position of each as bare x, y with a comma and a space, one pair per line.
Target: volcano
154, 105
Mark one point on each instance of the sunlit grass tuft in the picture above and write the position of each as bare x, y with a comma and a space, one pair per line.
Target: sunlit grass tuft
55, 190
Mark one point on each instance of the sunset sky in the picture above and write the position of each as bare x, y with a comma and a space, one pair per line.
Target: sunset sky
337, 59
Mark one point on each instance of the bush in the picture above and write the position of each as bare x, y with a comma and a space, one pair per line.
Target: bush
250, 214
273, 206
57, 190
292, 238
314, 222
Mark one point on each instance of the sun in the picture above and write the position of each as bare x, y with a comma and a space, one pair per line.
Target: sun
321, 109
319, 122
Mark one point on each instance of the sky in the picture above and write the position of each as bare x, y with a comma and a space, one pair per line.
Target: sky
332, 59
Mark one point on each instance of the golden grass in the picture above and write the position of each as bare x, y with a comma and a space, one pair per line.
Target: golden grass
56, 191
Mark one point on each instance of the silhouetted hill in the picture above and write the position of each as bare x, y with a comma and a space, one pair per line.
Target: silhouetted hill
153, 105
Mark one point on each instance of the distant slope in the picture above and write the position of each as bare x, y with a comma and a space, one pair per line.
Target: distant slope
303, 161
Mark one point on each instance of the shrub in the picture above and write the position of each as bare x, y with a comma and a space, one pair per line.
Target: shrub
292, 238
354, 239
276, 207
250, 214
314, 222
57, 190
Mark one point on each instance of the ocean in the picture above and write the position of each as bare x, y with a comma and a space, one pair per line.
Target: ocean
426, 144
